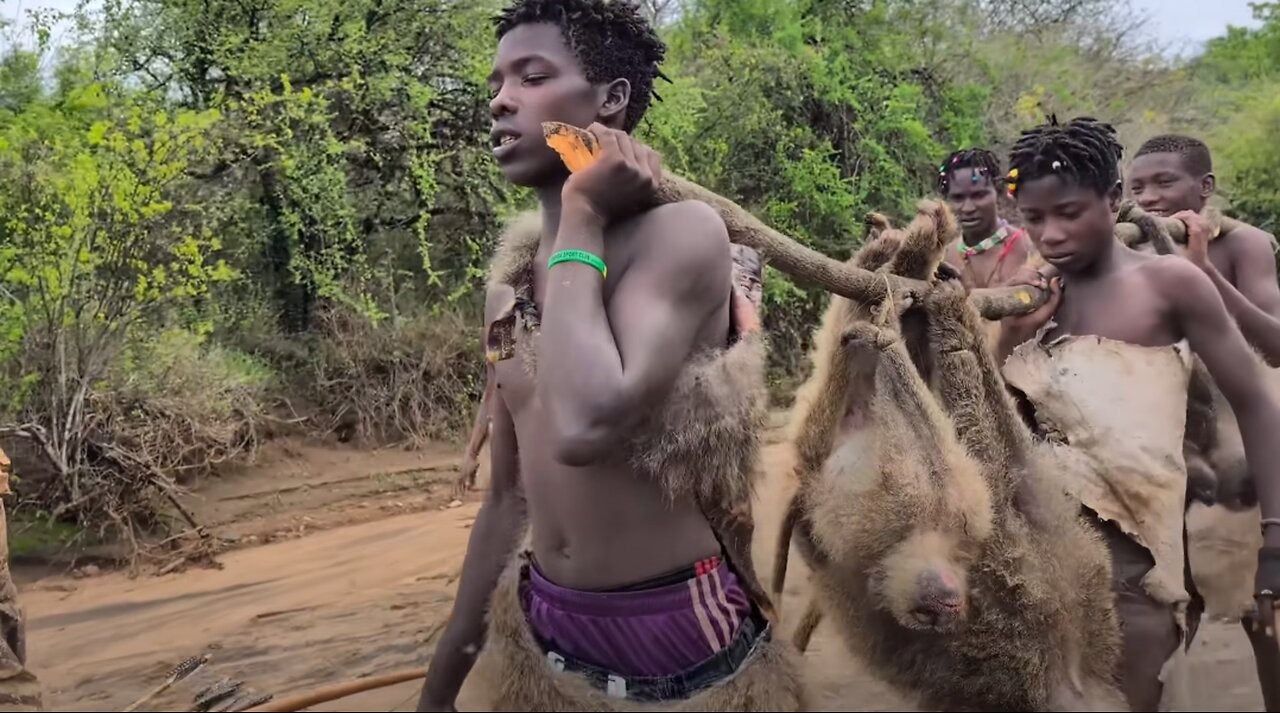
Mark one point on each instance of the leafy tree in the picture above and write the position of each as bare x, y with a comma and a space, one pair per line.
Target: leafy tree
95, 241
360, 127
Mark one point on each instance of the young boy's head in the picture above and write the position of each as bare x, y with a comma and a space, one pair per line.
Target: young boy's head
968, 179
573, 61
1066, 179
1172, 173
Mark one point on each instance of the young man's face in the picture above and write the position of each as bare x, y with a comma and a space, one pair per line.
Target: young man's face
974, 203
536, 78
1069, 224
1161, 184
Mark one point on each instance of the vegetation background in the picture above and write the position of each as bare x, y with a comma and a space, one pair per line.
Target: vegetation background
224, 220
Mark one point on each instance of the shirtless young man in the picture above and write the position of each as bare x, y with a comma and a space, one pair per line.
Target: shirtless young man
1107, 381
990, 250
1172, 175
627, 586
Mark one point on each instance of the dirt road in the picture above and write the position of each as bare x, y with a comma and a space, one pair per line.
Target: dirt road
370, 598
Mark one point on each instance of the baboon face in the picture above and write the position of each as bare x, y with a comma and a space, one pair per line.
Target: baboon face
921, 583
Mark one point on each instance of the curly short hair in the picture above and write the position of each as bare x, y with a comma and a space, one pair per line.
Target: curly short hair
612, 40
1195, 155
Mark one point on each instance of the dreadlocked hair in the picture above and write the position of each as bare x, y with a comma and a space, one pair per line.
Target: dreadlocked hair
981, 161
1083, 151
611, 40
1195, 155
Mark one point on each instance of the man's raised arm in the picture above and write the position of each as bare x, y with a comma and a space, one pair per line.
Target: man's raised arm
597, 379
1254, 301
1214, 336
494, 536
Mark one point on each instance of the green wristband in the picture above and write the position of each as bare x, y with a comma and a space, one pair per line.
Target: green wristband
578, 256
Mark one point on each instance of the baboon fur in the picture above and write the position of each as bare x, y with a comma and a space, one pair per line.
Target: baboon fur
820, 401
948, 560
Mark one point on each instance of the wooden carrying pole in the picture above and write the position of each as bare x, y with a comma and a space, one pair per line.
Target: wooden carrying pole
808, 265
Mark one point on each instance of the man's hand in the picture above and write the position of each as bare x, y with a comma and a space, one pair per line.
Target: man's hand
619, 184
1267, 579
466, 475
748, 290
1024, 327
1198, 232
743, 314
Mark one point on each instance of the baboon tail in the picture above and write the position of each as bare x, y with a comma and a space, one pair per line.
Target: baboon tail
783, 554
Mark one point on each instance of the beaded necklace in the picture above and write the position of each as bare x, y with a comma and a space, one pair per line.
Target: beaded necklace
1002, 233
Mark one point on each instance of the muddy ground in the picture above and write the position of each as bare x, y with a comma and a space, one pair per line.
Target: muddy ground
345, 565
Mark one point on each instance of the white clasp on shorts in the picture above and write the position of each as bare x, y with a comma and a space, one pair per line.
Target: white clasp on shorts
617, 687
556, 661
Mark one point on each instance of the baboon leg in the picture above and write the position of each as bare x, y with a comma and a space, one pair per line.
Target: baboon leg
1266, 657
804, 630
971, 389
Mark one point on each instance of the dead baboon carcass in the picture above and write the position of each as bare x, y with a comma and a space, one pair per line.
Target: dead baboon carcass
946, 559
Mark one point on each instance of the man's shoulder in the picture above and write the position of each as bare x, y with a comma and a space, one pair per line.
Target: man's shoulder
1176, 278
1249, 240
691, 230
694, 219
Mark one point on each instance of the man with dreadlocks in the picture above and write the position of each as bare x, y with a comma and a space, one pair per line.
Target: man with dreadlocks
1104, 368
1172, 175
990, 250
627, 402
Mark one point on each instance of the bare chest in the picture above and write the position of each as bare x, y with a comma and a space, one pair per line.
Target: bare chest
1119, 309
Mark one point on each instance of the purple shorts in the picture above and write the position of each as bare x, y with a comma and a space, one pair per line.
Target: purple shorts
643, 630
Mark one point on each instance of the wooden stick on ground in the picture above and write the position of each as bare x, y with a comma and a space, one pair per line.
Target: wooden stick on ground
179, 672
339, 690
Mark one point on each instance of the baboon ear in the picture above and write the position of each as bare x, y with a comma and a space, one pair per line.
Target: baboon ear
614, 103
